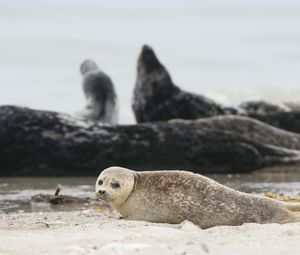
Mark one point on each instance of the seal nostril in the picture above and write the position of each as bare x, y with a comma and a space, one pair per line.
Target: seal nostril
102, 192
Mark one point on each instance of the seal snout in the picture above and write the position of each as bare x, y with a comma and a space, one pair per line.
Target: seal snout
101, 192
146, 48
147, 52
147, 59
87, 66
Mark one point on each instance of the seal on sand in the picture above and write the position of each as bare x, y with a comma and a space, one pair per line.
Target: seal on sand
157, 98
175, 196
100, 95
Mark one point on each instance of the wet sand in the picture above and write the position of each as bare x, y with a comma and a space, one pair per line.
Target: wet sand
101, 232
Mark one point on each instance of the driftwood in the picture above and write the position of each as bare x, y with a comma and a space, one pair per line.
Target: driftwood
157, 98
58, 199
289, 121
43, 143
65, 202
248, 128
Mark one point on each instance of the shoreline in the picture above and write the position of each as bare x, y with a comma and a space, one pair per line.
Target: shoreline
101, 232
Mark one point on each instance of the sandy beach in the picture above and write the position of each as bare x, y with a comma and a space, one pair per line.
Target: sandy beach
28, 228
229, 51
101, 232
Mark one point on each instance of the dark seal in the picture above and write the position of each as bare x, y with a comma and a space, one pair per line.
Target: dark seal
157, 98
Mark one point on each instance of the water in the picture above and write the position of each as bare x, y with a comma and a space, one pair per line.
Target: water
15, 193
227, 49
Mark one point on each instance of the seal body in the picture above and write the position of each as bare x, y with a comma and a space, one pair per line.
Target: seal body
101, 98
262, 107
175, 196
157, 98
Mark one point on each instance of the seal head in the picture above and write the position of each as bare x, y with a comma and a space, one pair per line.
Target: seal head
148, 59
88, 66
114, 185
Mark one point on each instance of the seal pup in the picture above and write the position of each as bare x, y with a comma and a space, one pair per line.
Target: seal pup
157, 98
98, 88
175, 196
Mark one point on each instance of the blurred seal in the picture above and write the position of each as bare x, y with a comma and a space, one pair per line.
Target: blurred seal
102, 102
157, 98
262, 107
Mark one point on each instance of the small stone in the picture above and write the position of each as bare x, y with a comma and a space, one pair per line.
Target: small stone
190, 243
205, 247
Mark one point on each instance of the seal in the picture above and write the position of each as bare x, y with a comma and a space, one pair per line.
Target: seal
262, 107
157, 98
175, 196
98, 88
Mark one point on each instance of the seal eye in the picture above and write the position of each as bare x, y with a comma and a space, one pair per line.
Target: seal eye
100, 182
115, 185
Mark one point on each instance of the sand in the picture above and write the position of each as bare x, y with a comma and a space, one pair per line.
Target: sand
101, 232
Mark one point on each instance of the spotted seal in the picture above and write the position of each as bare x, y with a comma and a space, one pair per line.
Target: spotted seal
175, 196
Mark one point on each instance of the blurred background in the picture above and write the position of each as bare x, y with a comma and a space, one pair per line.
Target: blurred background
229, 50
